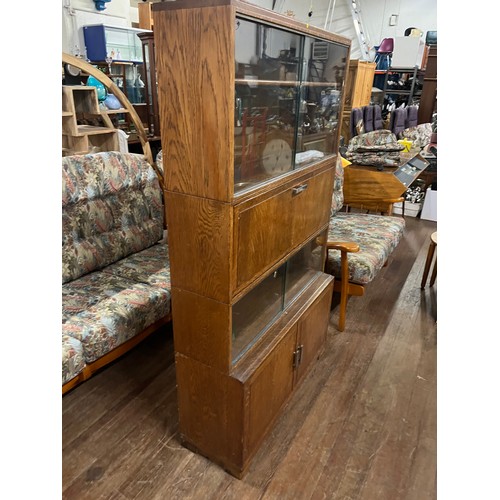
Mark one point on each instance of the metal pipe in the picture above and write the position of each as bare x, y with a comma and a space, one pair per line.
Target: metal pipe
327, 13
331, 15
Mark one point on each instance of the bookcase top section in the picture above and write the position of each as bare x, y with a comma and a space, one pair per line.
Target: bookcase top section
251, 10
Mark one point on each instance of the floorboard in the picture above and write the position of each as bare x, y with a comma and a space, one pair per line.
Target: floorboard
361, 425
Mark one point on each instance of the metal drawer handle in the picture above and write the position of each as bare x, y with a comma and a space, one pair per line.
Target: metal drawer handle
297, 190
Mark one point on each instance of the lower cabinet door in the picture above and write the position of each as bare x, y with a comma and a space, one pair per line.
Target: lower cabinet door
312, 328
269, 389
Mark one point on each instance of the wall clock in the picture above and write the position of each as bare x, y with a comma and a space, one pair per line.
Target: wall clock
277, 156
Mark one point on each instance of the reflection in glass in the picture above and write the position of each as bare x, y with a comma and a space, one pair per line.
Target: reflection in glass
288, 90
320, 98
254, 313
267, 75
263, 132
302, 268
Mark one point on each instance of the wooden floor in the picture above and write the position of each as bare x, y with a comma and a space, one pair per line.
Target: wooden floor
362, 425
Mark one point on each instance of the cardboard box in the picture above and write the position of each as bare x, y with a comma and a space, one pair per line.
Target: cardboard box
411, 209
429, 210
408, 52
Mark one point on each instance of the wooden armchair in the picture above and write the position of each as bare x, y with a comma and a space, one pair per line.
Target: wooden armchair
359, 244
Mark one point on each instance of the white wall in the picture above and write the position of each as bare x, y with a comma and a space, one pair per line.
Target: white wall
411, 14
78, 13
375, 14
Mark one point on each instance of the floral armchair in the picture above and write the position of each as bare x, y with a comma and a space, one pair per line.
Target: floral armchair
359, 245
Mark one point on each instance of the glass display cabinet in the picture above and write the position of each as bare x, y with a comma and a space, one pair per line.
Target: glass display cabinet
287, 101
121, 44
250, 104
151, 84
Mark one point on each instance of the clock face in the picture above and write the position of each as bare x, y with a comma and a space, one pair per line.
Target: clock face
277, 157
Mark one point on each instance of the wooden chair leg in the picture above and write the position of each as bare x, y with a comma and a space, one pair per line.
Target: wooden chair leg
428, 262
434, 273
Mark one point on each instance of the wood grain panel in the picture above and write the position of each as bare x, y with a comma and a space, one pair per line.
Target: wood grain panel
210, 412
196, 99
199, 245
255, 12
290, 220
190, 4
202, 329
268, 390
362, 73
261, 244
367, 183
312, 329
311, 207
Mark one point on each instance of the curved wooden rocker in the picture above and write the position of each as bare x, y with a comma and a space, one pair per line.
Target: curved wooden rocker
122, 98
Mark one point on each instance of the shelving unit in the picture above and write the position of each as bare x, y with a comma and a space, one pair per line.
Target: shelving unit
409, 95
79, 102
96, 113
124, 75
250, 120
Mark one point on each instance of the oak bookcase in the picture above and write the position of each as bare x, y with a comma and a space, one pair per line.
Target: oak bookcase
250, 106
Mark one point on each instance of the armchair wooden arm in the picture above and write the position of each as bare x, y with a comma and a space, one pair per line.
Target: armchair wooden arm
345, 247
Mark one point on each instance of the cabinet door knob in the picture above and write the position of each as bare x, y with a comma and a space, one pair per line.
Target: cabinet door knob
298, 189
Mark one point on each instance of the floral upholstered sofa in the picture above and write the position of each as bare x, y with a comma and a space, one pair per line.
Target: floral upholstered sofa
115, 264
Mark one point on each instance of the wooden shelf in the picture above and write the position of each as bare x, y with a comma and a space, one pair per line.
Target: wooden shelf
284, 83
91, 130
113, 111
81, 101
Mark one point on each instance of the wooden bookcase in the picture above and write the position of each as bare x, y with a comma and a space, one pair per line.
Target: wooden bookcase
359, 84
243, 101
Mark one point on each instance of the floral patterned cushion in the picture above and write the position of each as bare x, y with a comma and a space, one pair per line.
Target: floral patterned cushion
379, 147
338, 188
103, 310
377, 236
420, 135
111, 207
151, 266
72, 358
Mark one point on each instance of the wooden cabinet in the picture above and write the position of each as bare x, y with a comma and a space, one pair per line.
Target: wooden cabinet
428, 99
359, 84
150, 90
250, 119
80, 102
145, 15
